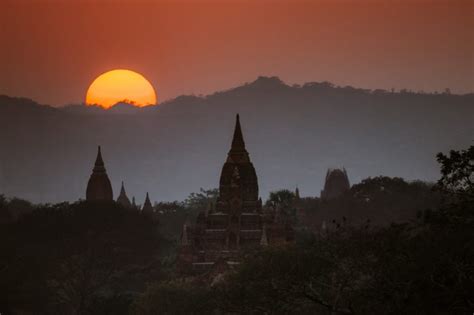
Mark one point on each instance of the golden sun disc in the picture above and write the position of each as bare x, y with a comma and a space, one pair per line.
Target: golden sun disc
121, 85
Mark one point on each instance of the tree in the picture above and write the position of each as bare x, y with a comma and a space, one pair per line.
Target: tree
457, 170
321, 277
282, 198
422, 267
174, 298
71, 258
5, 215
284, 201
201, 199
18, 207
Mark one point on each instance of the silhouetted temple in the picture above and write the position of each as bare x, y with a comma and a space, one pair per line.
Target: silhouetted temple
99, 187
147, 207
336, 183
123, 199
237, 220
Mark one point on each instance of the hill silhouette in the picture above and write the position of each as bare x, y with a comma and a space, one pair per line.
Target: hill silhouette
293, 134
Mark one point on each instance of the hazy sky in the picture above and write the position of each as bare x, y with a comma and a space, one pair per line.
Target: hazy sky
52, 50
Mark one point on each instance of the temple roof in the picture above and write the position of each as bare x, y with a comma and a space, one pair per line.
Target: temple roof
99, 187
238, 143
335, 184
99, 163
238, 184
238, 153
123, 199
147, 207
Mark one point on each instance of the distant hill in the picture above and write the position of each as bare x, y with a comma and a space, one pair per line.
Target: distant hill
293, 134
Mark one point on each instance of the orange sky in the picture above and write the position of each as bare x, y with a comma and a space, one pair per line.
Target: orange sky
52, 50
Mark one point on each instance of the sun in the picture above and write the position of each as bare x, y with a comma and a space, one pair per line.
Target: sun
121, 85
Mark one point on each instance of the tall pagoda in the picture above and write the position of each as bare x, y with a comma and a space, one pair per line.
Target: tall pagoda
237, 222
99, 187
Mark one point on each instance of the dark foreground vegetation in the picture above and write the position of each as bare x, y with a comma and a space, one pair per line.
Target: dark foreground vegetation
93, 258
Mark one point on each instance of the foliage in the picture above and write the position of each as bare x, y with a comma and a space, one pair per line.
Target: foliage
421, 267
282, 198
14, 208
381, 200
171, 216
201, 199
174, 298
65, 257
457, 172
169, 207
95, 258
396, 270
5, 215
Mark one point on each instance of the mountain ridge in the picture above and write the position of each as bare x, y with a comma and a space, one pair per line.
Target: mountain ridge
293, 134
261, 82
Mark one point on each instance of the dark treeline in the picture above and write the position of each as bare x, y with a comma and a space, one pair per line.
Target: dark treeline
76, 258
389, 247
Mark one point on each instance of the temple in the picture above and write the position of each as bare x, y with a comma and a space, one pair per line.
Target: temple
123, 199
99, 187
336, 183
237, 222
147, 207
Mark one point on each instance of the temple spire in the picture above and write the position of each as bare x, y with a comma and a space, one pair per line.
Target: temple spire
147, 207
99, 187
238, 153
123, 199
238, 143
99, 163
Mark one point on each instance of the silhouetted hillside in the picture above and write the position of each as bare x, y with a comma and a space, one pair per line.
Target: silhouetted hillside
293, 134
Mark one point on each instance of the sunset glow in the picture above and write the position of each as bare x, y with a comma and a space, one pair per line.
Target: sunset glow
120, 85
